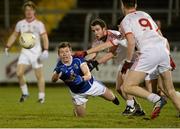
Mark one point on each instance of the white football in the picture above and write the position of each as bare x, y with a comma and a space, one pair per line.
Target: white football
27, 40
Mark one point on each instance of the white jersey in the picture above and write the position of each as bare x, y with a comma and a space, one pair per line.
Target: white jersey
37, 28
115, 38
142, 26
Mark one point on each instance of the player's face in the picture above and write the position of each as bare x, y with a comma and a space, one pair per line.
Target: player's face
29, 12
98, 31
65, 54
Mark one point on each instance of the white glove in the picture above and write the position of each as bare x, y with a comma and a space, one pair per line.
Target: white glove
44, 55
6, 51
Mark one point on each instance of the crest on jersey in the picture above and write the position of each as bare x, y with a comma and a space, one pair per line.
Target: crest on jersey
76, 66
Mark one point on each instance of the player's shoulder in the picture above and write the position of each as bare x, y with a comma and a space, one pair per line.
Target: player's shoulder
126, 18
22, 21
131, 16
143, 14
78, 59
38, 21
59, 63
114, 32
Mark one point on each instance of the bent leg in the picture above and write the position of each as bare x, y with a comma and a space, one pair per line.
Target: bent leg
108, 95
119, 87
131, 84
169, 87
80, 110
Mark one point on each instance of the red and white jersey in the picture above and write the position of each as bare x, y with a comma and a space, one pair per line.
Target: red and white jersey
37, 28
116, 38
144, 29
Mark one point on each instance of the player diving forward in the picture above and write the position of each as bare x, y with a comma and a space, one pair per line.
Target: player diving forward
118, 47
76, 75
103, 46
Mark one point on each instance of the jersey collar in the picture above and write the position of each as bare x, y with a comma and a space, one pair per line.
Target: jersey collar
68, 64
30, 20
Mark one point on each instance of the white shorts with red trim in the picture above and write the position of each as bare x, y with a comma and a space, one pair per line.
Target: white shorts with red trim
152, 76
155, 57
30, 59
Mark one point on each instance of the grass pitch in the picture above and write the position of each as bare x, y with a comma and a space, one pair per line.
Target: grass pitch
57, 112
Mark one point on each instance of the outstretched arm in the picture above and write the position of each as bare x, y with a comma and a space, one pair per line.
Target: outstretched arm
130, 46
96, 49
86, 72
55, 77
100, 47
105, 58
45, 41
57, 74
12, 39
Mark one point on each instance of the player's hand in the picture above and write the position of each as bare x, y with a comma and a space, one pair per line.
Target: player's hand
6, 51
80, 53
44, 55
127, 65
92, 64
78, 79
172, 63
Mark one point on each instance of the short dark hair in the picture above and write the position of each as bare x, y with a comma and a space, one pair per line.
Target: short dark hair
29, 4
129, 3
64, 44
99, 22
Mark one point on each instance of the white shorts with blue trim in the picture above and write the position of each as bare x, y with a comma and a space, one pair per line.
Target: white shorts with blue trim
97, 89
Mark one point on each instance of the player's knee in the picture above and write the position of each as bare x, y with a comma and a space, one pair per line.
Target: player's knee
40, 78
19, 74
79, 113
171, 93
126, 88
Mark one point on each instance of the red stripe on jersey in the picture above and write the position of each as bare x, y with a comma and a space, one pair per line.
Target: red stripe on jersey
112, 36
157, 29
112, 43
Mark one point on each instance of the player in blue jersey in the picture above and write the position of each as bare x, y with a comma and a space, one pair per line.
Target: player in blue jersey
76, 75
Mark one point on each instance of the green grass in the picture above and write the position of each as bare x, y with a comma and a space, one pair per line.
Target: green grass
57, 112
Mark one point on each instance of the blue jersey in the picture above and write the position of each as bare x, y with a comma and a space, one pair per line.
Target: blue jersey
70, 72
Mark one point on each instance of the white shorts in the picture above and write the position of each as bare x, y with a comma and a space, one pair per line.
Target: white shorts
153, 75
152, 59
29, 59
96, 89
119, 67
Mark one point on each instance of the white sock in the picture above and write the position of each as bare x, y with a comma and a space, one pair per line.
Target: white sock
178, 93
41, 95
24, 89
153, 97
130, 103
